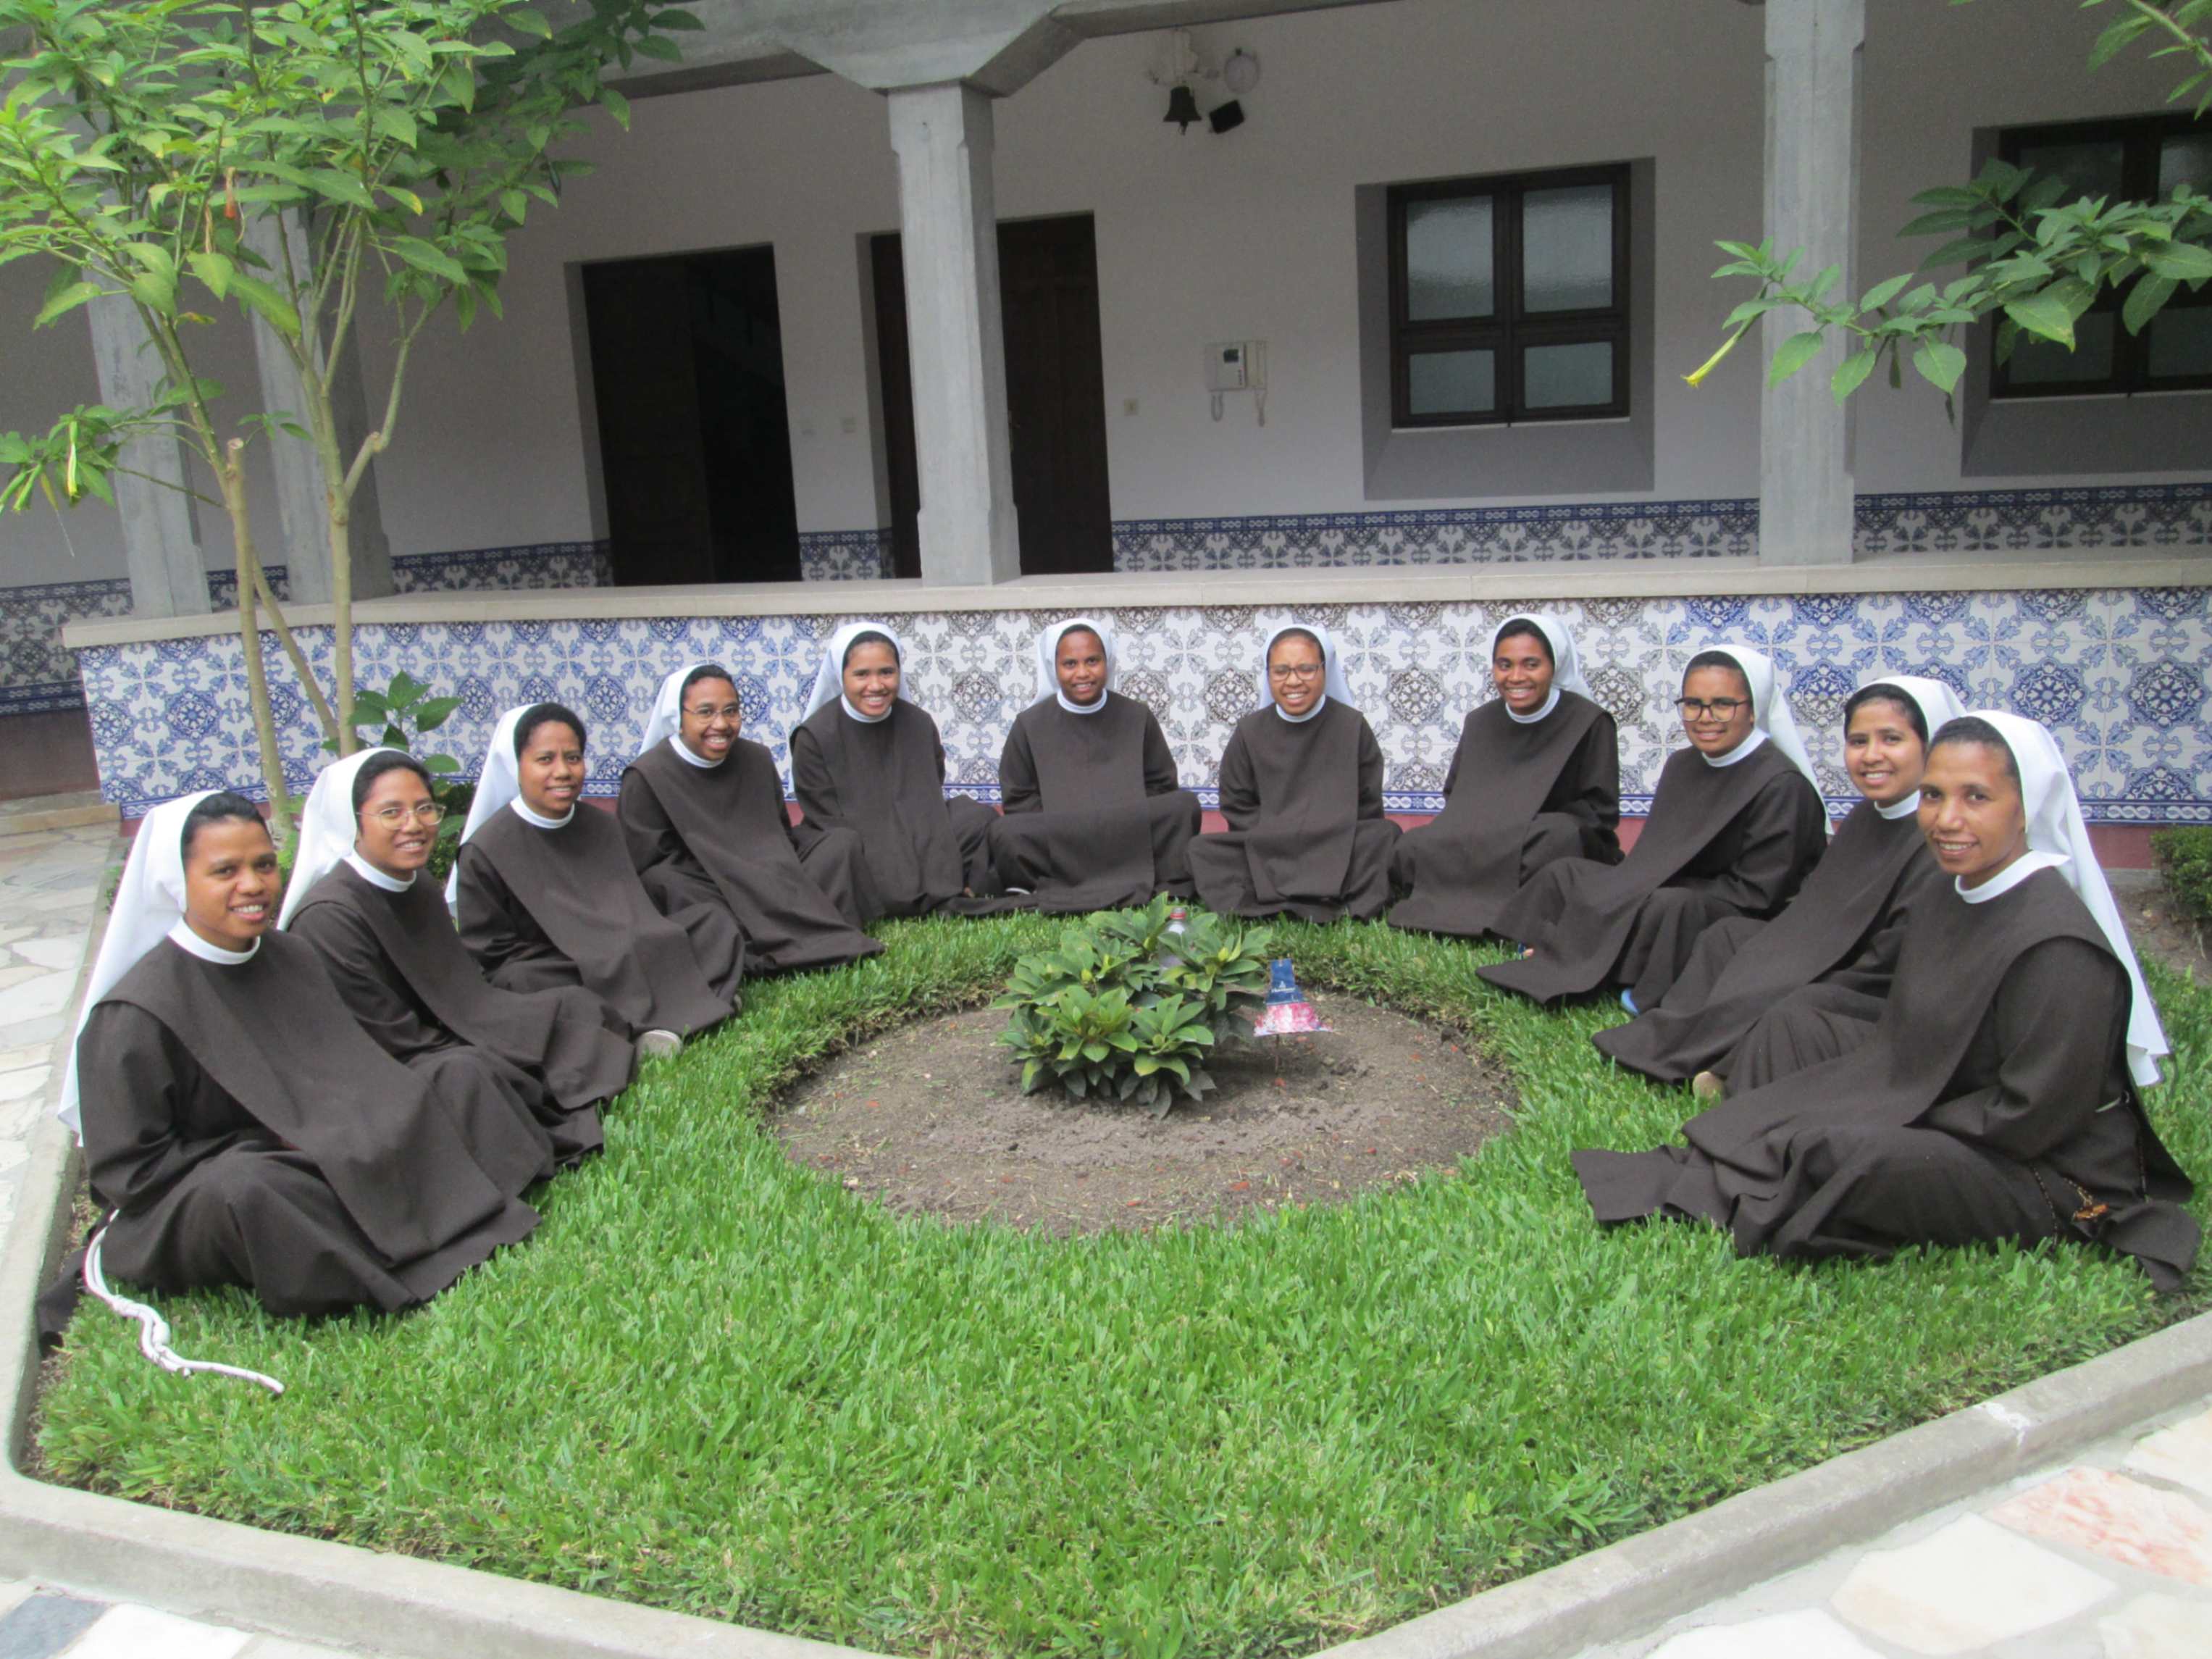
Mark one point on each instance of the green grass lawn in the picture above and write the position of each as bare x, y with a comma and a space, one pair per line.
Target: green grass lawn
715, 1382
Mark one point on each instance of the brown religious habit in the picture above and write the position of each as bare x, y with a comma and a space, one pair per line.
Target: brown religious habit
1837, 942
1721, 841
1094, 817
1991, 1101
247, 1131
1306, 833
402, 968
884, 781
541, 907
718, 835
1535, 792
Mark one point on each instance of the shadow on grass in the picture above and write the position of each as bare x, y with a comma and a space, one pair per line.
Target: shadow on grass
717, 1383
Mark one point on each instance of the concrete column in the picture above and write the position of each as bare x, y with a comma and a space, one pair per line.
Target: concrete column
160, 533
1805, 489
301, 505
949, 237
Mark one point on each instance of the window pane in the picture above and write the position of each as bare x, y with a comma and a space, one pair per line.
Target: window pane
2043, 363
1452, 383
1567, 376
2090, 167
2181, 341
1448, 250
1566, 248
2186, 160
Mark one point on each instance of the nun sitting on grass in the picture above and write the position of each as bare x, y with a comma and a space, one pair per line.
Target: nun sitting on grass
1095, 817
240, 1127
546, 896
702, 815
1302, 788
1736, 824
358, 896
1996, 1098
1536, 779
868, 759
1831, 954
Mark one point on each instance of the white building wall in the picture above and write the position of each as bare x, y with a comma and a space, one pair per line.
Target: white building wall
1200, 238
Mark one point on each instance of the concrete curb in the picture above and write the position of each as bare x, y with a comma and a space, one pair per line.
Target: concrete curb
228, 1574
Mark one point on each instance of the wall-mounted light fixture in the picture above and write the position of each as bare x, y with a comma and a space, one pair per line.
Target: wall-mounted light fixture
1181, 65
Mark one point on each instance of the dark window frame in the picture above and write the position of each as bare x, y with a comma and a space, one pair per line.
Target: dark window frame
1510, 330
2139, 138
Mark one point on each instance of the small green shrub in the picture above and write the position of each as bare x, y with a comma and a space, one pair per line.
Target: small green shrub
408, 713
1123, 1009
2183, 853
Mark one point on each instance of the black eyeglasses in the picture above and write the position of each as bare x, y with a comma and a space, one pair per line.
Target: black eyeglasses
1697, 708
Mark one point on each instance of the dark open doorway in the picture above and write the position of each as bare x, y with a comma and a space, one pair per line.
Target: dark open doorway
1055, 395
694, 436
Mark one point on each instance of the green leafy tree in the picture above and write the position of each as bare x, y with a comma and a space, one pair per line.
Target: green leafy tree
2028, 260
293, 162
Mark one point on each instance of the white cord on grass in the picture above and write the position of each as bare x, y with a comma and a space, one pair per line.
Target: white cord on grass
154, 1330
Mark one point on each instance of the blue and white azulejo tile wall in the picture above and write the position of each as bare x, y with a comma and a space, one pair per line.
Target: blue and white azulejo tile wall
2152, 516
2118, 674
38, 675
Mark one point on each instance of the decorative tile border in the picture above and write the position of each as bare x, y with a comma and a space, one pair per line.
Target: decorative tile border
2136, 516
37, 676
844, 556
2119, 674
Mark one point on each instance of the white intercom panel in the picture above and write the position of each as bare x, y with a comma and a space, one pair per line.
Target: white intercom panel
1237, 366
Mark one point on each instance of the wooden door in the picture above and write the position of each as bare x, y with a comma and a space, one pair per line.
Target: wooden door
1055, 396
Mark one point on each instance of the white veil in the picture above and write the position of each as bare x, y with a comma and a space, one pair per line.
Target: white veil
2055, 826
829, 679
149, 900
1047, 650
1333, 680
1566, 659
1770, 708
327, 830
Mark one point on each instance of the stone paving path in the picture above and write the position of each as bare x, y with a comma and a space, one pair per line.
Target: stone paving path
2108, 1558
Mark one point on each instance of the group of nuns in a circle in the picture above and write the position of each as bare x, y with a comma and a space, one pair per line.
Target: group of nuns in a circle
1925, 1028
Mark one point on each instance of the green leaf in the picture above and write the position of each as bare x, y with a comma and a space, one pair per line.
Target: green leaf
1882, 293
1949, 195
428, 257
658, 45
1794, 354
2144, 301
213, 269
433, 713
1851, 373
2045, 315
2177, 262
334, 185
529, 22
265, 300
1964, 247
64, 300
617, 105
1928, 224
1940, 363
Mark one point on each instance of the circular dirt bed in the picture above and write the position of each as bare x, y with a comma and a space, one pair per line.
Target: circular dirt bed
931, 1119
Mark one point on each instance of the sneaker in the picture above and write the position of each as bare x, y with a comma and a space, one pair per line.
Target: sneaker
660, 1045
1629, 1003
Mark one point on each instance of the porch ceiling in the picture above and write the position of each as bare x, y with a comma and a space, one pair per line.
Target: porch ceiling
998, 45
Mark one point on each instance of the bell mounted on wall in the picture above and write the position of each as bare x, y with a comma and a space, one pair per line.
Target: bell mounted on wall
1182, 107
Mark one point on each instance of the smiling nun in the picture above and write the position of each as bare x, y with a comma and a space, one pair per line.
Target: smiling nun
1998, 1096
546, 896
1831, 953
1736, 824
868, 759
239, 1127
358, 895
1302, 788
701, 811
1541, 764
1095, 817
